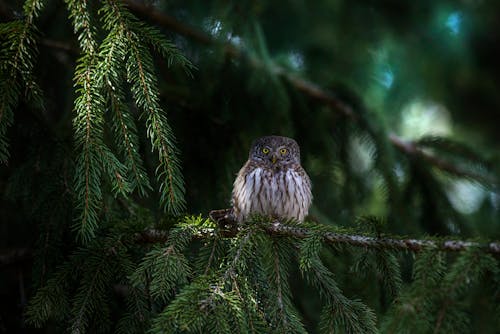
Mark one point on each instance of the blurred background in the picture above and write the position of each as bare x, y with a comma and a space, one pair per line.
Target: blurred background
395, 106
420, 71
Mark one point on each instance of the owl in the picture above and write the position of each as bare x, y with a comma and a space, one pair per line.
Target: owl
272, 182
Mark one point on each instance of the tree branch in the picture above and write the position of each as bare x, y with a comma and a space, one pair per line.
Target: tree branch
413, 245
412, 149
230, 229
306, 87
169, 22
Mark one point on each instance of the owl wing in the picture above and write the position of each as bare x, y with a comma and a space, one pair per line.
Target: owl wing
239, 196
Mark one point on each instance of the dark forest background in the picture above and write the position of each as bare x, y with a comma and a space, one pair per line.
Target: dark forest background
395, 106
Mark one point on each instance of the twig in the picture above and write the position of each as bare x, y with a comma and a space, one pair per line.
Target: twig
308, 88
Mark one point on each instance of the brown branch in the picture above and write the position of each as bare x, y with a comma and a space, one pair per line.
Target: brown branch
230, 229
414, 245
317, 93
151, 236
169, 22
309, 88
412, 149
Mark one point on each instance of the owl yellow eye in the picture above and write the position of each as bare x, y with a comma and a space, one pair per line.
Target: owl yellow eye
283, 151
265, 150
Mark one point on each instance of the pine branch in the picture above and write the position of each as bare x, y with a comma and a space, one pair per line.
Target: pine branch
169, 22
414, 245
112, 73
339, 312
412, 149
284, 316
18, 51
231, 269
144, 86
296, 231
125, 130
308, 88
88, 123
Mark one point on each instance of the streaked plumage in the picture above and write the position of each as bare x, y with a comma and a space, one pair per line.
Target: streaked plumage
272, 182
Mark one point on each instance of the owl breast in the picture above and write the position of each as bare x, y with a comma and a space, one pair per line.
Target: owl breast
282, 193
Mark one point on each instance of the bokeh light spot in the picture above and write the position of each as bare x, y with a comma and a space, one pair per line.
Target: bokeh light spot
465, 196
422, 118
386, 78
454, 22
296, 60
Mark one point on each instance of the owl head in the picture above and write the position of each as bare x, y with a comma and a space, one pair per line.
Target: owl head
275, 151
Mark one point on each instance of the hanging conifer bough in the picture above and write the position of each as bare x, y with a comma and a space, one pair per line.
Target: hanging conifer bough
18, 52
389, 246
123, 55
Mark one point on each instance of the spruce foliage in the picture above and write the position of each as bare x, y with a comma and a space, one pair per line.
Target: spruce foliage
100, 73
18, 53
106, 210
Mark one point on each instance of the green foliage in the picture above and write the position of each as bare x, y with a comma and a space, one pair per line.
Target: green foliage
100, 74
18, 53
164, 268
428, 272
469, 164
340, 313
107, 253
284, 317
140, 73
246, 287
444, 310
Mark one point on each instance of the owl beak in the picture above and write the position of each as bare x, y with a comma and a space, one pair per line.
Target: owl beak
273, 159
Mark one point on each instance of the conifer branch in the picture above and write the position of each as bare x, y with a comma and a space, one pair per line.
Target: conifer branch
88, 123
124, 127
236, 259
236, 288
211, 257
169, 22
156, 126
412, 149
79, 320
17, 54
140, 73
278, 282
308, 88
296, 231
413, 245
112, 72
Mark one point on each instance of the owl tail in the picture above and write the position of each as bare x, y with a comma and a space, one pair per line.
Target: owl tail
221, 215
226, 221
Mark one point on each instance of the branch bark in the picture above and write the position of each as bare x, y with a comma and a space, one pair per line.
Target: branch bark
414, 245
230, 229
